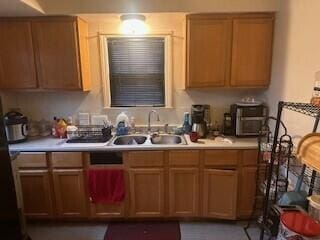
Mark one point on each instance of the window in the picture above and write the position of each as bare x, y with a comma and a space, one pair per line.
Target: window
137, 71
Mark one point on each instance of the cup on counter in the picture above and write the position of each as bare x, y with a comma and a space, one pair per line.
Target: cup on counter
194, 136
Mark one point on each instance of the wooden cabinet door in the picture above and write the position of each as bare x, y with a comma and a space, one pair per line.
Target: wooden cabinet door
247, 191
69, 192
208, 52
36, 192
17, 64
57, 54
220, 193
107, 210
251, 52
184, 191
146, 192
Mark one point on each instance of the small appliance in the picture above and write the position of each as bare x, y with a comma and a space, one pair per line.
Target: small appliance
201, 120
227, 125
247, 120
16, 126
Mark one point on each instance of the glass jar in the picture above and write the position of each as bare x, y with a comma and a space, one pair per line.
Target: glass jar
315, 100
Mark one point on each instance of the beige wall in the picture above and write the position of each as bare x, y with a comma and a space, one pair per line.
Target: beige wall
296, 59
47, 105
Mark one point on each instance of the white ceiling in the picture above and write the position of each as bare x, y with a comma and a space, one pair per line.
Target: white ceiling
51, 7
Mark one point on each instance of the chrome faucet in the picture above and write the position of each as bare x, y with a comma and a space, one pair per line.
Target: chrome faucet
149, 118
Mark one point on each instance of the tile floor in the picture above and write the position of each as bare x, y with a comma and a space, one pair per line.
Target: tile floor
189, 231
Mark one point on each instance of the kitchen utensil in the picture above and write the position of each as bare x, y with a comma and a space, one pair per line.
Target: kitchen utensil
314, 207
308, 151
16, 127
194, 136
201, 119
106, 132
296, 197
200, 129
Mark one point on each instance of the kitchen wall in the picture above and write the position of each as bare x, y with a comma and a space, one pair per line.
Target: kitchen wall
296, 59
39, 105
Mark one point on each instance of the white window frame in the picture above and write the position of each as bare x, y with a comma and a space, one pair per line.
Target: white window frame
105, 69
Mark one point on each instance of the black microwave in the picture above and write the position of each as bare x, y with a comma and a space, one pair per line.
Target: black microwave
247, 120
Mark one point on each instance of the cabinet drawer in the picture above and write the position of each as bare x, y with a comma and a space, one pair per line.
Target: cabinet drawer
249, 157
66, 159
146, 159
184, 158
32, 160
221, 157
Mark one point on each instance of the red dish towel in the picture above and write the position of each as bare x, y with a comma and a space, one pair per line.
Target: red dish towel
106, 185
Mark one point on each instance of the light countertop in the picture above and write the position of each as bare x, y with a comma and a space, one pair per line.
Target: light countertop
50, 144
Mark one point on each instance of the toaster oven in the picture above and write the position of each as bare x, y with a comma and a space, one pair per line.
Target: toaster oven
248, 120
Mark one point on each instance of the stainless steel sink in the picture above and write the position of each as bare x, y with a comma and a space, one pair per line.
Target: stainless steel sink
130, 140
167, 139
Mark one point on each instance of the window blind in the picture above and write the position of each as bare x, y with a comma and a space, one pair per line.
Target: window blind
136, 68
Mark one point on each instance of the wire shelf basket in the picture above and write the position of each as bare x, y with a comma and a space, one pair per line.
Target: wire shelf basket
89, 134
310, 179
87, 131
304, 108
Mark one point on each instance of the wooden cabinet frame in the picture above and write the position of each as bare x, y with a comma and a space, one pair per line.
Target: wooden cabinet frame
180, 201
151, 205
51, 53
238, 59
77, 200
221, 189
30, 180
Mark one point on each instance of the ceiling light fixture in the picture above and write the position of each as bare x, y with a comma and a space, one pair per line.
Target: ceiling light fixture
133, 24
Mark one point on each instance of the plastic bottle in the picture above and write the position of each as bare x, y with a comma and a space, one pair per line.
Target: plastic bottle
186, 123
132, 125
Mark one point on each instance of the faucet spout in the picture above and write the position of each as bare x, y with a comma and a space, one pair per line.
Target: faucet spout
149, 119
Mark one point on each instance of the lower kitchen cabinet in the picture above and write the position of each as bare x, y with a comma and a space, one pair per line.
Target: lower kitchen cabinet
247, 191
146, 192
70, 194
217, 184
37, 193
184, 191
220, 189
107, 210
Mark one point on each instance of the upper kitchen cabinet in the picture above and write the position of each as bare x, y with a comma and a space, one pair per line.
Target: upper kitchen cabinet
229, 50
61, 53
17, 64
251, 52
57, 54
208, 50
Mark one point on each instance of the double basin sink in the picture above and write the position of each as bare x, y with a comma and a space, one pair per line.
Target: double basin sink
154, 139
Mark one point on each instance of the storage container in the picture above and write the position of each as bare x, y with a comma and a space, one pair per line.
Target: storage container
298, 226
314, 207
